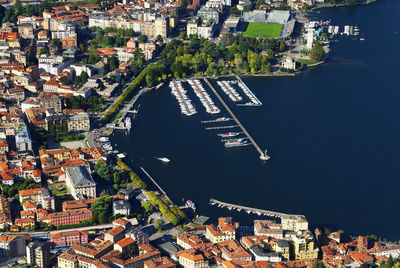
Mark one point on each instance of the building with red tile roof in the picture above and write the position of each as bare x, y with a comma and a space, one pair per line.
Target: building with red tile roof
69, 238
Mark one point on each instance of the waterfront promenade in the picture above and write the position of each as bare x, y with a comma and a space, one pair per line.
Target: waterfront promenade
262, 156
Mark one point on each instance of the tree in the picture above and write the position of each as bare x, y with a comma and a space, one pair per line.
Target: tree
158, 225
148, 207
159, 38
114, 63
57, 42
282, 45
44, 50
317, 52
318, 264
142, 38
102, 209
82, 47
103, 171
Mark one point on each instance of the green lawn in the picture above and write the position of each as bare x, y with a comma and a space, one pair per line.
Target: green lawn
261, 29
306, 61
57, 192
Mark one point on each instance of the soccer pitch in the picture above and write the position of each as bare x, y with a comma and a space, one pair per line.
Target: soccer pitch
262, 29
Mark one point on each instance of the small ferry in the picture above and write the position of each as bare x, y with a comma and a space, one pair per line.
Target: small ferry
163, 159
128, 123
191, 204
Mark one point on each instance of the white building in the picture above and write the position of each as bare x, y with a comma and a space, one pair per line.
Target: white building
122, 207
99, 19
207, 29
78, 69
289, 63
80, 183
38, 254
53, 64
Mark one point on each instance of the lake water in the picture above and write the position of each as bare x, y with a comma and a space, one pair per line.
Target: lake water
333, 134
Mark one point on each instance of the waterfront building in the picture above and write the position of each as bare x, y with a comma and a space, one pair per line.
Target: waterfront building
225, 230
289, 63
268, 228
294, 223
78, 122
304, 246
79, 182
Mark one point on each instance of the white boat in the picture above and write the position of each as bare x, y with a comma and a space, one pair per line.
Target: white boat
163, 159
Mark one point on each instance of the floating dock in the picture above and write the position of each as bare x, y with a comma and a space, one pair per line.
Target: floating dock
258, 211
262, 155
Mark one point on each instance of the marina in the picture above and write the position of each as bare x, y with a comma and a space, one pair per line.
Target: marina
202, 94
185, 103
230, 91
263, 156
254, 101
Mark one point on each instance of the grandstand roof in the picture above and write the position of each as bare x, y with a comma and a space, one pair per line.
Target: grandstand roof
278, 16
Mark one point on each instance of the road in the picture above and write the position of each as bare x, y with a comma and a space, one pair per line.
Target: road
46, 234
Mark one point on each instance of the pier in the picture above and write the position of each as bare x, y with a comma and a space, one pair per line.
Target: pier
262, 155
128, 107
263, 212
210, 107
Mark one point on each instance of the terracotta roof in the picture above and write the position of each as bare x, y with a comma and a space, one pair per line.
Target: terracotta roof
30, 191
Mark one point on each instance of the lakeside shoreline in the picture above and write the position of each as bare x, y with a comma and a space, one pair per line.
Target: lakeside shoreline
342, 5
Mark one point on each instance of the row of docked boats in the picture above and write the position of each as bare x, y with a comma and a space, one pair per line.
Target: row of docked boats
254, 101
185, 104
235, 142
229, 90
219, 119
204, 97
247, 210
333, 29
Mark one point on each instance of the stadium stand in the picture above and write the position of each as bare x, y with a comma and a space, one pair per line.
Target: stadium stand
255, 16
278, 16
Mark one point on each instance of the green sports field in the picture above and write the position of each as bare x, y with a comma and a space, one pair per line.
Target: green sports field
261, 29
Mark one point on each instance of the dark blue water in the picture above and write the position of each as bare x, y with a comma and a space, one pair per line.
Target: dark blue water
333, 134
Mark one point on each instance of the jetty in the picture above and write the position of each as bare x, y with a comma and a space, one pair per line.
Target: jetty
262, 155
258, 211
